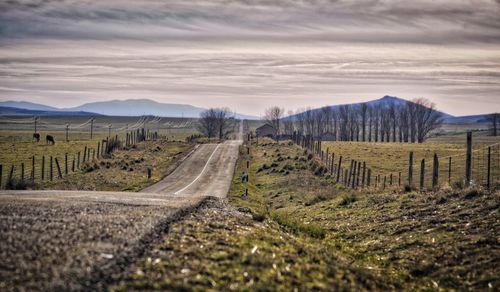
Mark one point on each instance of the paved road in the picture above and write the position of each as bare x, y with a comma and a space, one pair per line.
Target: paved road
80, 240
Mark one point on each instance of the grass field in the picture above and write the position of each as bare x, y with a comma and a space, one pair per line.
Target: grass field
16, 146
19, 128
387, 158
298, 230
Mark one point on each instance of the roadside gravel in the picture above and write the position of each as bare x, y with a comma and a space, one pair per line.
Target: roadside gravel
73, 244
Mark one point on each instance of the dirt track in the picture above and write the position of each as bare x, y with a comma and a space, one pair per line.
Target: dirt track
75, 240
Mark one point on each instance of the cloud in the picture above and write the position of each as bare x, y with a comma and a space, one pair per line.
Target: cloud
361, 20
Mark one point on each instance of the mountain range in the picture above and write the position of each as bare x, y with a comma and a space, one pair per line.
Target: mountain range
129, 107
138, 107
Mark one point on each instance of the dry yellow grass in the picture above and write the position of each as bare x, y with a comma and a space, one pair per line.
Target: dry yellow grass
391, 158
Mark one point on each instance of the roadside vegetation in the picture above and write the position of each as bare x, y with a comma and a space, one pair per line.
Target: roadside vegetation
298, 229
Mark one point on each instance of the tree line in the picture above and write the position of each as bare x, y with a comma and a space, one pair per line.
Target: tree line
391, 121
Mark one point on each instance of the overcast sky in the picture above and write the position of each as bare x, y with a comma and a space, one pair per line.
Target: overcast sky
251, 54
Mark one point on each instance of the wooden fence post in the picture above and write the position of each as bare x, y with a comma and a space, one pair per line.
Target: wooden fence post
353, 185
11, 175
99, 147
350, 173
65, 163
488, 183
73, 165
468, 160
435, 172
358, 173
346, 172
368, 177
422, 174
33, 168
385, 180
363, 177
78, 161
339, 167
43, 167
399, 179
1, 175
410, 169
59, 173
449, 171
390, 180
85, 154
332, 164
22, 171
51, 172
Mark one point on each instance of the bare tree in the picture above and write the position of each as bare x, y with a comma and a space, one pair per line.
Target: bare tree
216, 122
300, 118
427, 118
288, 128
344, 113
403, 125
411, 109
327, 117
273, 117
309, 121
393, 108
494, 119
225, 123
207, 124
376, 121
363, 110
370, 123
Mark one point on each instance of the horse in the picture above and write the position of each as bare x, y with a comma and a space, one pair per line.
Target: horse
36, 136
50, 139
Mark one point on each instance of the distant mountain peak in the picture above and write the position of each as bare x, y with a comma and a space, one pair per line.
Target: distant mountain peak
388, 97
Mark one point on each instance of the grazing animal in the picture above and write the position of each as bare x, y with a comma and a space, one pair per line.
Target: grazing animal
36, 136
50, 140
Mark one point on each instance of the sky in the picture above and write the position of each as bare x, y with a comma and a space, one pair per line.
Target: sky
252, 54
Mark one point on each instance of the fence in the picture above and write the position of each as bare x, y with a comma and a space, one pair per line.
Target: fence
47, 168
475, 167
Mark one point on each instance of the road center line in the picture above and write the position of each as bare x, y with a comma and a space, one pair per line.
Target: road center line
199, 175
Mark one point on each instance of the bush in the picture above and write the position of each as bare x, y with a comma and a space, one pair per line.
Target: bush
471, 193
347, 200
17, 184
319, 198
320, 171
408, 188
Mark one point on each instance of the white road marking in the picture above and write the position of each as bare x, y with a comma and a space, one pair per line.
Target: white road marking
199, 175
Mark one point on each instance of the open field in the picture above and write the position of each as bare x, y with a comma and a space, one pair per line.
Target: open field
391, 158
124, 170
20, 128
300, 230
